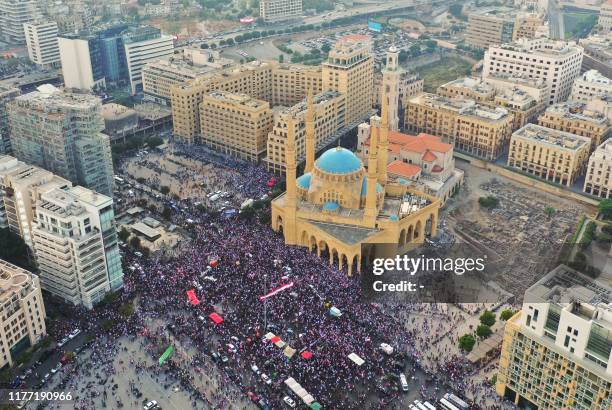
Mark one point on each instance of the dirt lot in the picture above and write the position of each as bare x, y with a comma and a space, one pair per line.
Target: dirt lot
518, 233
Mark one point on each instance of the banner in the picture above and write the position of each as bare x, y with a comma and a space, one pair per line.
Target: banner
166, 355
275, 291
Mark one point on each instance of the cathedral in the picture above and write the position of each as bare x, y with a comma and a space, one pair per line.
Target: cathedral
344, 211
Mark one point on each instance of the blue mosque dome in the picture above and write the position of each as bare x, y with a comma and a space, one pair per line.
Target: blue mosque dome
304, 181
364, 187
338, 161
331, 206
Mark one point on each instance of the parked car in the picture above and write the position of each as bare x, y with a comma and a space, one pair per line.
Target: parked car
266, 379
289, 401
150, 405
74, 333
255, 369
63, 342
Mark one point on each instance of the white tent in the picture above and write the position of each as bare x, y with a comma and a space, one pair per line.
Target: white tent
355, 358
308, 399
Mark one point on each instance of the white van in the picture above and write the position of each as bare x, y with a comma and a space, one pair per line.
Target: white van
403, 382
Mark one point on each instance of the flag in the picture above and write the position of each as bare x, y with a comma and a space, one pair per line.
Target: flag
277, 290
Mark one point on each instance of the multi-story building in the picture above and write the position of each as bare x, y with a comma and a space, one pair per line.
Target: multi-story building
556, 349
235, 124
328, 120
20, 186
574, 117
598, 53
556, 62
6, 94
598, 180
410, 85
549, 154
13, 15
537, 88
76, 246
144, 45
278, 10
41, 39
589, 85
471, 127
61, 132
605, 16
82, 63
529, 25
291, 83
349, 70
485, 29
22, 309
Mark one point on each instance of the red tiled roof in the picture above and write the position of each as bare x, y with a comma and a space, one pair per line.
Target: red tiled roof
403, 169
416, 143
429, 156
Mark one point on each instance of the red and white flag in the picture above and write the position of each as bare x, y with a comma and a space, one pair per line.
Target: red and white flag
277, 290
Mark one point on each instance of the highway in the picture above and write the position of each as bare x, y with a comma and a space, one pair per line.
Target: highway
555, 21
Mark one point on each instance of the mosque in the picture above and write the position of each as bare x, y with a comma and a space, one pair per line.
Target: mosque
344, 211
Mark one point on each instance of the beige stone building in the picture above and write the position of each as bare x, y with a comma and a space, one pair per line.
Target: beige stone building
235, 124
598, 180
485, 29
291, 83
23, 312
272, 11
605, 16
549, 154
327, 118
574, 117
529, 25
591, 84
346, 213
471, 127
349, 70
556, 351
535, 87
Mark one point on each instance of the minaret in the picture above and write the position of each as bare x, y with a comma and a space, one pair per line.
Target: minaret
383, 145
390, 87
371, 211
289, 224
310, 133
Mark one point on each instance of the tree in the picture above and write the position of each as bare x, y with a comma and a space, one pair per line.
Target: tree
483, 331
549, 211
281, 58
247, 213
141, 180
605, 208
124, 234
135, 242
506, 314
487, 318
467, 342
164, 189
489, 202
126, 310
14, 249
167, 213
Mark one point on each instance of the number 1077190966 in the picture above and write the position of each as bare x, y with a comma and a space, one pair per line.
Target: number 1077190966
18, 396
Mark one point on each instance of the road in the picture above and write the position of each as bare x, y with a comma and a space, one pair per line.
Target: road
555, 18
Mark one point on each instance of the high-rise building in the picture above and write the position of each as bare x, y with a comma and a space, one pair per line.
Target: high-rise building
556, 62
471, 127
61, 132
43, 47
23, 312
349, 70
278, 10
20, 186
13, 14
605, 16
391, 86
76, 246
589, 85
549, 154
6, 94
143, 45
576, 118
81, 58
556, 351
598, 180
485, 29
235, 124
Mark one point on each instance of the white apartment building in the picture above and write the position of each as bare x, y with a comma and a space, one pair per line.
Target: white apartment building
22, 309
557, 351
591, 84
43, 47
76, 245
139, 52
278, 10
598, 180
21, 185
605, 16
81, 62
13, 15
556, 62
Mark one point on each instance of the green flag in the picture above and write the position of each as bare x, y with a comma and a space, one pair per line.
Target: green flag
166, 355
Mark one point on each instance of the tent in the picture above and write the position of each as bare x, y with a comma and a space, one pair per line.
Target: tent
279, 343
290, 382
193, 298
289, 352
213, 263
269, 335
275, 339
306, 355
335, 312
216, 318
315, 405
358, 360
308, 399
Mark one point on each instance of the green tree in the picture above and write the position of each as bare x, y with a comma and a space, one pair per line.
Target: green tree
14, 249
164, 189
605, 208
487, 318
126, 310
483, 331
489, 201
467, 342
124, 234
167, 213
506, 314
549, 211
247, 213
135, 242
281, 58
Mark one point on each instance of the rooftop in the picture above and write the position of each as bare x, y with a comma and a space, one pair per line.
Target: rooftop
12, 279
462, 106
548, 136
575, 110
540, 46
50, 98
239, 99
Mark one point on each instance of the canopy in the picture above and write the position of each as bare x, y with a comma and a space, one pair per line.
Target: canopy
306, 355
275, 339
213, 263
315, 405
290, 382
269, 335
216, 318
192, 297
289, 352
335, 312
279, 343
308, 399
358, 360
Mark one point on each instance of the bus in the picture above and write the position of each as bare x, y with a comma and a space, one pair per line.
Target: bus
118, 179
447, 405
458, 402
420, 405
429, 405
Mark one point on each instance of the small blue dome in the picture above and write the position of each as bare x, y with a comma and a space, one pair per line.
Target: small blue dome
402, 181
364, 187
331, 206
304, 181
338, 161
393, 217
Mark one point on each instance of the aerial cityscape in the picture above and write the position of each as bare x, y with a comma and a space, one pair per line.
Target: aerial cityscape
309, 204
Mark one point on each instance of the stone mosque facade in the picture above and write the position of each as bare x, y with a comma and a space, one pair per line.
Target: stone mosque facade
344, 211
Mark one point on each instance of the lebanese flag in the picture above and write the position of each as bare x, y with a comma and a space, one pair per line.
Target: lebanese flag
277, 290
